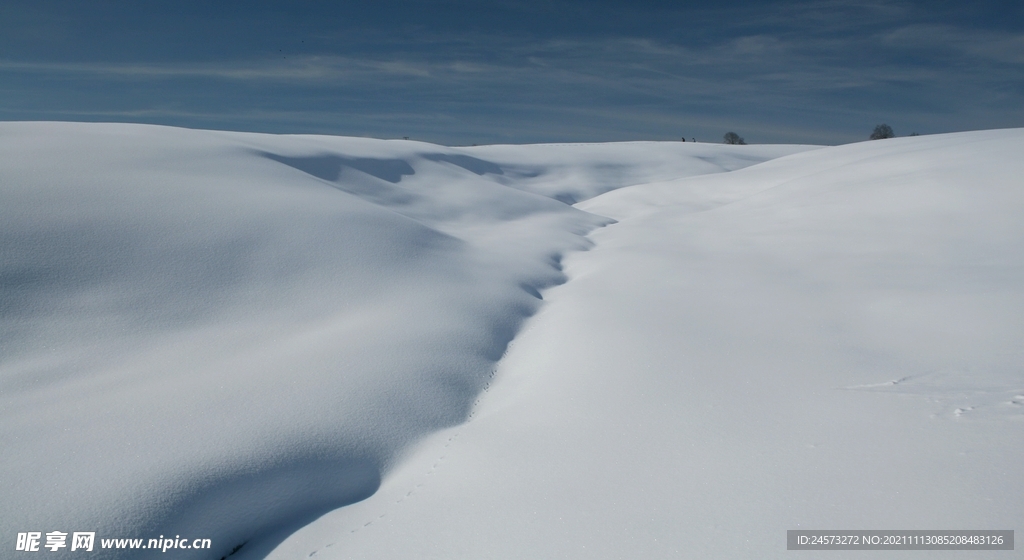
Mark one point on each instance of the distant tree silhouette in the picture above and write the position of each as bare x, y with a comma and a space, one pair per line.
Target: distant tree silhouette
733, 138
881, 132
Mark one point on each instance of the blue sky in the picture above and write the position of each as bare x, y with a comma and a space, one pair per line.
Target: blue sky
458, 72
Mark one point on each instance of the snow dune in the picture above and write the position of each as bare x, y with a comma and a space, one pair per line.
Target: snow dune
828, 340
225, 335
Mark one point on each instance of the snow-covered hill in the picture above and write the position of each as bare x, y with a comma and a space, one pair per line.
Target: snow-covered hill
829, 340
302, 346
224, 335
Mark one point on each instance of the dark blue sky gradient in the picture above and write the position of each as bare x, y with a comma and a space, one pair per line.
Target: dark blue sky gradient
460, 72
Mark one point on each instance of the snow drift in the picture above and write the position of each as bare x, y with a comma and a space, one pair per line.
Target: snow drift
230, 336
224, 335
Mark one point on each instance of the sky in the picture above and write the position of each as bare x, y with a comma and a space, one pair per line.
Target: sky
461, 72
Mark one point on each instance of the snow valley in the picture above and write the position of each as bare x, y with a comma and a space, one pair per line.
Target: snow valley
357, 348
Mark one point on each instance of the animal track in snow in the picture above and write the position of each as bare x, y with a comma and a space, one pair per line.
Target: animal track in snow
882, 385
437, 462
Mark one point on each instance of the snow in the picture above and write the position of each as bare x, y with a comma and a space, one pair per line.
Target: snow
829, 340
225, 335
353, 348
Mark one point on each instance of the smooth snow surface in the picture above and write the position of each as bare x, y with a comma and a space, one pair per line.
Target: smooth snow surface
225, 335
829, 340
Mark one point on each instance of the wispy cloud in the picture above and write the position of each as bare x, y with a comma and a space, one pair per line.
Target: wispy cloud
966, 44
302, 68
835, 63
800, 62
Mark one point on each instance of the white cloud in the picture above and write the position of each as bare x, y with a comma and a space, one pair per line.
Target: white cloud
985, 45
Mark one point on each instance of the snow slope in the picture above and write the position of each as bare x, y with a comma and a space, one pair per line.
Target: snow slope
829, 340
224, 335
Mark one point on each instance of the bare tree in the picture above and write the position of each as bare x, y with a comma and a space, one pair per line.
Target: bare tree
881, 132
733, 138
